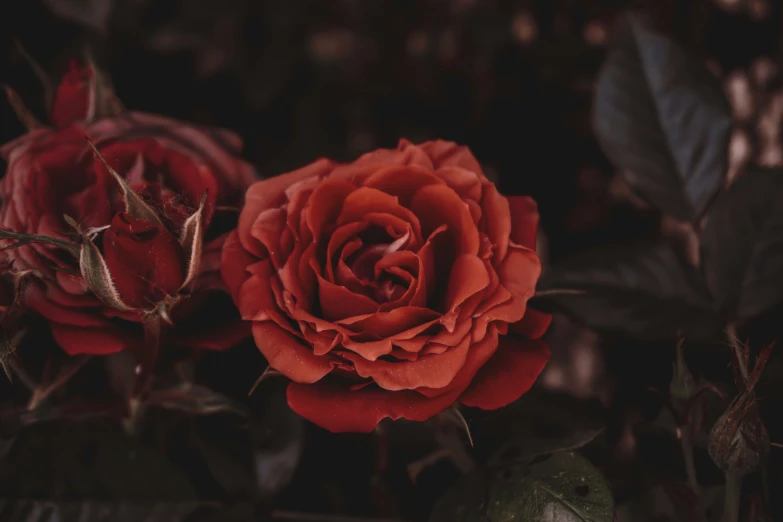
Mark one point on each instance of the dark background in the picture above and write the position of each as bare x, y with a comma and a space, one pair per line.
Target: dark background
513, 80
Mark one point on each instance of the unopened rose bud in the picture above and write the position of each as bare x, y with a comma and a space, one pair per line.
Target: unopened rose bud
682, 387
738, 441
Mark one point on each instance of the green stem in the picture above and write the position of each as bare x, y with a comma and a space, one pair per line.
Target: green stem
690, 467
23, 239
731, 505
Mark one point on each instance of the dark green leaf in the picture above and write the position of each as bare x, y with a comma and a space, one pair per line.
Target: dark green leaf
644, 290
30, 510
562, 488
673, 502
252, 456
193, 398
742, 244
663, 119
538, 424
87, 461
278, 435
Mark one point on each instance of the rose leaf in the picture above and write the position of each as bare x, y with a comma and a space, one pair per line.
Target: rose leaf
262, 456
89, 461
675, 502
742, 244
643, 290
662, 119
563, 487
539, 423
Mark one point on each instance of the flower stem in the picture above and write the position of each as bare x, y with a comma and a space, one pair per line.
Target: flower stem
690, 467
731, 505
731, 332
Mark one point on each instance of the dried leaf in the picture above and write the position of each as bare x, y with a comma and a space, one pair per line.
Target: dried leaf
90, 14
97, 276
135, 206
454, 416
268, 372
27, 118
193, 398
66, 370
39, 71
104, 101
192, 241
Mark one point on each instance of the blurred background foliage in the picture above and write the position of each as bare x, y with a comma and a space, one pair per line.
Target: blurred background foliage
514, 81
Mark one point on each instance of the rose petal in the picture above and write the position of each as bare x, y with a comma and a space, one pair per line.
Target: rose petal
401, 322
338, 302
35, 298
448, 154
326, 203
268, 229
145, 260
76, 340
479, 353
437, 205
72, 283
364, 201
299, 195
255, 294
75, 97
270, 193
288, 355
468, 276
366, 165
340, 409
337, 408
234, 259
508, 375
432, 371
465, 182
402, 181
533, 325
370, 350
497, 221
524, 221
519, 272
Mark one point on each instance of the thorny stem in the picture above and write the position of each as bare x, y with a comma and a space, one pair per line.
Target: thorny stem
380, 491
731, 332
20, 372
690, 468
22, 239
733, 493
144, 371
291, 516
560, 291
731, 507
42, 392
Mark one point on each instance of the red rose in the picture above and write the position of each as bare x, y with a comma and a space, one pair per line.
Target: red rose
168, 166
384, 287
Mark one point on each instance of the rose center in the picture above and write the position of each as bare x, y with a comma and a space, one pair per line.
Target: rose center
383, 286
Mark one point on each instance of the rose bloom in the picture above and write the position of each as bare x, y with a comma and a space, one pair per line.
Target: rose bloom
52, 172
386, 287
